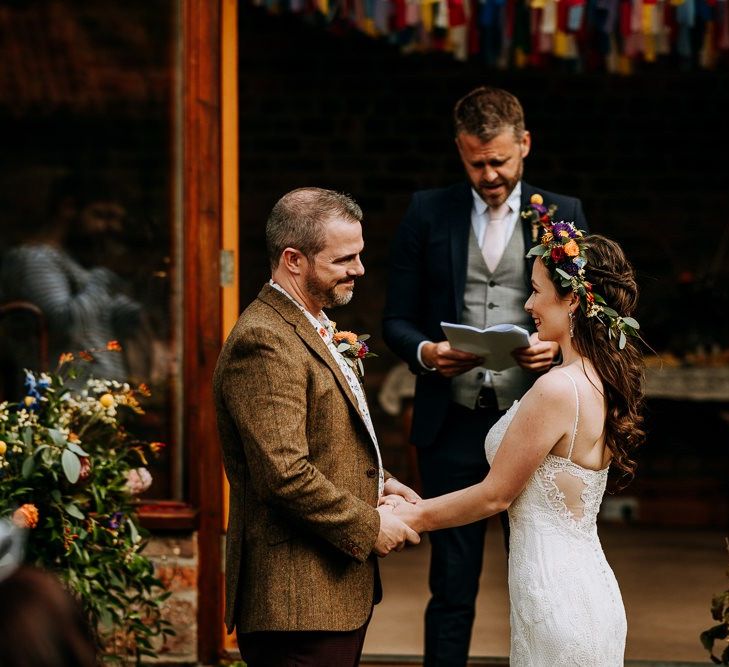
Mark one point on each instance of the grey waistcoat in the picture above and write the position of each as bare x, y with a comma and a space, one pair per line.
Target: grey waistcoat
495, 298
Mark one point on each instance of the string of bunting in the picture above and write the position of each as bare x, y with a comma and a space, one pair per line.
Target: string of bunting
604, 34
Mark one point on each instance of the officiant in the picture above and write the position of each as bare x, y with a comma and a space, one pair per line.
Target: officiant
459, 256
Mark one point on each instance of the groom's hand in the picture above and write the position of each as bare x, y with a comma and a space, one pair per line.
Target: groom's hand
394, 487
394, 534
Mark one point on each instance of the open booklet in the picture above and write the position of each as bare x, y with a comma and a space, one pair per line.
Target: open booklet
495, 344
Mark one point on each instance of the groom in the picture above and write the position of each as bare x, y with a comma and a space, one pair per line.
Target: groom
300, 452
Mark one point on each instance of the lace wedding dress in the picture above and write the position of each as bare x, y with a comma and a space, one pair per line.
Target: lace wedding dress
566, 607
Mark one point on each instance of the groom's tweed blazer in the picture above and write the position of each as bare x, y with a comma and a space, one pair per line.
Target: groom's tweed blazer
303, 478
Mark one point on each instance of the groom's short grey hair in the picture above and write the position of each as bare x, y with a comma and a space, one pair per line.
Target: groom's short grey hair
298, 219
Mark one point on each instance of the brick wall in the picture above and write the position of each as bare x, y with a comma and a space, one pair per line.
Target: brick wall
175, 559
647, 155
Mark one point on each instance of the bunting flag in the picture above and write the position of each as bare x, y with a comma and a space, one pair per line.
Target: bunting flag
612, 35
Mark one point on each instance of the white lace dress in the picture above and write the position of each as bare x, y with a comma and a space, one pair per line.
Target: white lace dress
566, 607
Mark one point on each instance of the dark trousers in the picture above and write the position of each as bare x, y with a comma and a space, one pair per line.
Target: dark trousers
454, 461
303, 649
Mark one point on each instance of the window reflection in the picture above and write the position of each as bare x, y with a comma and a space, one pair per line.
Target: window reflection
87, 198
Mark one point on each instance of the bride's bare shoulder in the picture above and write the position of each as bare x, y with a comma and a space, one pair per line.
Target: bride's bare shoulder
541, 403
551, 386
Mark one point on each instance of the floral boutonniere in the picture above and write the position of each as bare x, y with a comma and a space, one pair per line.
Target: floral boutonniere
353, 348
538, 214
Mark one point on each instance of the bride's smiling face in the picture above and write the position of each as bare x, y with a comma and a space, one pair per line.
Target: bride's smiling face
546, 306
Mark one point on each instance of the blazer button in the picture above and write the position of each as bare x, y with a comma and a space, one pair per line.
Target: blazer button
479, 375
492, 283
371, 472
492, 305
356, 551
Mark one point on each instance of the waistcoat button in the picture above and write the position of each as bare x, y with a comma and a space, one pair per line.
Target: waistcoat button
371, 472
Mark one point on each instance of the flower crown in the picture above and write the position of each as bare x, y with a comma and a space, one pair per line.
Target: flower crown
562, 249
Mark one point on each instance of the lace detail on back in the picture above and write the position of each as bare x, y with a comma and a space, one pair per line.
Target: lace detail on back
566, 607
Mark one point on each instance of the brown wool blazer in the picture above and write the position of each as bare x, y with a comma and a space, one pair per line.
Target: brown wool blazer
303, 481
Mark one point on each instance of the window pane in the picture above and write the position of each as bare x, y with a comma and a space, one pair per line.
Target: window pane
88, 199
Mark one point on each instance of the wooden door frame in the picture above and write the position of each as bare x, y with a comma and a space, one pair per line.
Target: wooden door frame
204, 176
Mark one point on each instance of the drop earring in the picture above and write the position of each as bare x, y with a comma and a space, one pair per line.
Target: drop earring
572, 323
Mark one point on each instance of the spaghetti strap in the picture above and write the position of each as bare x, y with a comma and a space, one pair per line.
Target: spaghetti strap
577, 414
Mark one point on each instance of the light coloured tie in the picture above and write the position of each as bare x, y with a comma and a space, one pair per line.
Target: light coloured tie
494, 242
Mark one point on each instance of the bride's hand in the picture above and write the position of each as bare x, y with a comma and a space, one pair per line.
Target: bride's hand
390, 499
411, 514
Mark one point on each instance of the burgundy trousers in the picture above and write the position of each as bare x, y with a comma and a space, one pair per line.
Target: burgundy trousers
303, 649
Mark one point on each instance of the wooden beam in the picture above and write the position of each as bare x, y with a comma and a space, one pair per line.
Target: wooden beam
231, 299
202, 194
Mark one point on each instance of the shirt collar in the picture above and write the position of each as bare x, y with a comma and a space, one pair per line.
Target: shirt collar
323, 325
513, 200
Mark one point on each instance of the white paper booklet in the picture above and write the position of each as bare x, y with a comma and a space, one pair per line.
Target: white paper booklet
495, 344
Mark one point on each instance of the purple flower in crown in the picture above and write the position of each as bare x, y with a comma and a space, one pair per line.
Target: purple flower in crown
564, 229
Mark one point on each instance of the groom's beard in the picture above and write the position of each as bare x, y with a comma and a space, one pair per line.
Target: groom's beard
331, 297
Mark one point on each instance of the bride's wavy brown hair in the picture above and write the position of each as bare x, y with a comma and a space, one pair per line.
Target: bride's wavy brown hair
621, 371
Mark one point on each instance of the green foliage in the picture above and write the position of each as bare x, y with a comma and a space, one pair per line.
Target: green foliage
718, 633
69, 472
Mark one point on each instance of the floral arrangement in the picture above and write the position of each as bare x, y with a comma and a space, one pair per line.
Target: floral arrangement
353, 348
562, 249
69, 474
718, 633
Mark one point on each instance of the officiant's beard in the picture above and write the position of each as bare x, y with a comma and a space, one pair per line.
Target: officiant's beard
330, 297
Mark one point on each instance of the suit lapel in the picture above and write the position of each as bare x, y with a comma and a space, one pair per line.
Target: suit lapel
290, 312
459, 222
526, 194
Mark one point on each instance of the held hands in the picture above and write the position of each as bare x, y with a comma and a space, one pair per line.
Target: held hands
394, 534
447, 361
410, 513
538, 356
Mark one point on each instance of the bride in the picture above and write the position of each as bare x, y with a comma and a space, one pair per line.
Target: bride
550, 455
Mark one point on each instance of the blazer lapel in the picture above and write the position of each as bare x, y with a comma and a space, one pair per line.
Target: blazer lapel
290, 312
459, 223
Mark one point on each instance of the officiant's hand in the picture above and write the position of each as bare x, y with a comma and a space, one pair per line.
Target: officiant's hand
394, 533
445, 360
538, 356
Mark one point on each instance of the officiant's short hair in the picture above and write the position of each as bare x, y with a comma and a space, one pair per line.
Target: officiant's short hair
486, 112
297, 220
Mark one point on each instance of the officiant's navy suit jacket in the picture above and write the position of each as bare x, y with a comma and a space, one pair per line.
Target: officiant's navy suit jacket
427, 279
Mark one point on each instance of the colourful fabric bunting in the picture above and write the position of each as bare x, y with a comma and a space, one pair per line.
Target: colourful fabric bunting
613, 35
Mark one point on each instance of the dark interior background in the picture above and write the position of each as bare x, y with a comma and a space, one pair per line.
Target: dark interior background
646, 153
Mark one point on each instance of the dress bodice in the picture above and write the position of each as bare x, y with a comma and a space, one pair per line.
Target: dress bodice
558, 488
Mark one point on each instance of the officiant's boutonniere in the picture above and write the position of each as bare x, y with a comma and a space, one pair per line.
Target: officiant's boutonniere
353, 348
538, 214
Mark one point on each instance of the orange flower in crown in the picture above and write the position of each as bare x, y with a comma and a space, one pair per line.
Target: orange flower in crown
562, 250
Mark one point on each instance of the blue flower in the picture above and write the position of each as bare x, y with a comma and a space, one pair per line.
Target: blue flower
115, 520
32, 392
